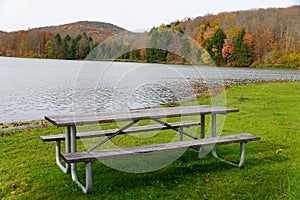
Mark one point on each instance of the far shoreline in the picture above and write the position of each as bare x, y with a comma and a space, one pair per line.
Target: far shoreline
256, 66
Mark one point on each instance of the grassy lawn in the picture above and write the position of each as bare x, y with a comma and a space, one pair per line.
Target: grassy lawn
272, 170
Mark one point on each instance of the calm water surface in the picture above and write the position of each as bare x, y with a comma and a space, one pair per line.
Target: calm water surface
33, 88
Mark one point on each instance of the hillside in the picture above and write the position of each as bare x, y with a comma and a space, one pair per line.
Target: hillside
97, 30
52, 41
257, 37
272, 35
2, 35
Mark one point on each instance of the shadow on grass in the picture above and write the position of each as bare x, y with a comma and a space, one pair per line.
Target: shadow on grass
110, 181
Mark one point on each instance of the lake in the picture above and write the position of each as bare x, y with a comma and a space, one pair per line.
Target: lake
33, 88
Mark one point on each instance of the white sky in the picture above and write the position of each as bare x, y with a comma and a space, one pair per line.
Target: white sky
129, 14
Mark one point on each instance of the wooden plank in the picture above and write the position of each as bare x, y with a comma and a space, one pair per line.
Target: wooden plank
113, 153
137, 129
130, 115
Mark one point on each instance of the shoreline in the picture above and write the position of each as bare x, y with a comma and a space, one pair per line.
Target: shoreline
15, 126
201, 90
255, 66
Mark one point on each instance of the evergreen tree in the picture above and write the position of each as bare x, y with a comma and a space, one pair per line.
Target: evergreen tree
218, 41
242, 54
135, 54
214, 47
150, 55
57, 46
84, 46
246, 56
66, 51
75, 47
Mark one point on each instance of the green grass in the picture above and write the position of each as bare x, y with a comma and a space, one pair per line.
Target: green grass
272, 170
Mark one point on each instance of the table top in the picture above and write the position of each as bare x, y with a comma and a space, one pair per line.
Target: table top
130, 115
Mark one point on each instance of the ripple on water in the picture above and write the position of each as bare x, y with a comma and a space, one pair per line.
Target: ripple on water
35, 88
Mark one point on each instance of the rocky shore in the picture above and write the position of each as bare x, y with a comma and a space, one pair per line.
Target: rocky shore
11, 126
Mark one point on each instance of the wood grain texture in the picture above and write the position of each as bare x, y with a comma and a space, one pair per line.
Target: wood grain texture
131, 151
130, 115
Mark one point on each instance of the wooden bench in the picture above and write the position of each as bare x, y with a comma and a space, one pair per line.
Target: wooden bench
131, 151
88, 157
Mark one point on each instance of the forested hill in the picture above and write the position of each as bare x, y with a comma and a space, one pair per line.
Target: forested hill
68, 41
97, 30
269, 36
259, 38
242, 38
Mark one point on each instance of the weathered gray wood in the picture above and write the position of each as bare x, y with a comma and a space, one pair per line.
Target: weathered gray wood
137, 129
105, 154
130, 115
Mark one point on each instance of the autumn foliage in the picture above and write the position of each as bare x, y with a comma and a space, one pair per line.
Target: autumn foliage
243, 38
271, 35
69, 41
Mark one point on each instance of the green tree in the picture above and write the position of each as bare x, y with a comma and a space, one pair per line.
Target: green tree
66, 51
75, 47
214, 47
135, 54
242, 55
57, 46
154, 55
84, 46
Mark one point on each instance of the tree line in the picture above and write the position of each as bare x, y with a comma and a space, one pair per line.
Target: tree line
242, 38
39, 44
271, 34
69, 48
165, 45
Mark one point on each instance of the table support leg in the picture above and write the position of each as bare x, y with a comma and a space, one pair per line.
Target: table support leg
202, 127
73, 150
88, 177
214, 150
214, 131
202, 153
88, 186
242, 156
67, 167
180, 134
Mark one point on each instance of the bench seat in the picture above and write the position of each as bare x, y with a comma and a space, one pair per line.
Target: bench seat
136, 129
113, 153
88, 157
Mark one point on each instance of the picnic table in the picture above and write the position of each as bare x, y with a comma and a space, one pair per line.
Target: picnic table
72, 157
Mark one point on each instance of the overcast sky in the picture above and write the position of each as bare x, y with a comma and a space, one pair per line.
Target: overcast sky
129, 14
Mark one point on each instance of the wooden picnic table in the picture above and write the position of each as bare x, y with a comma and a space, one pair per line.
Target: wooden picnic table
133, 116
